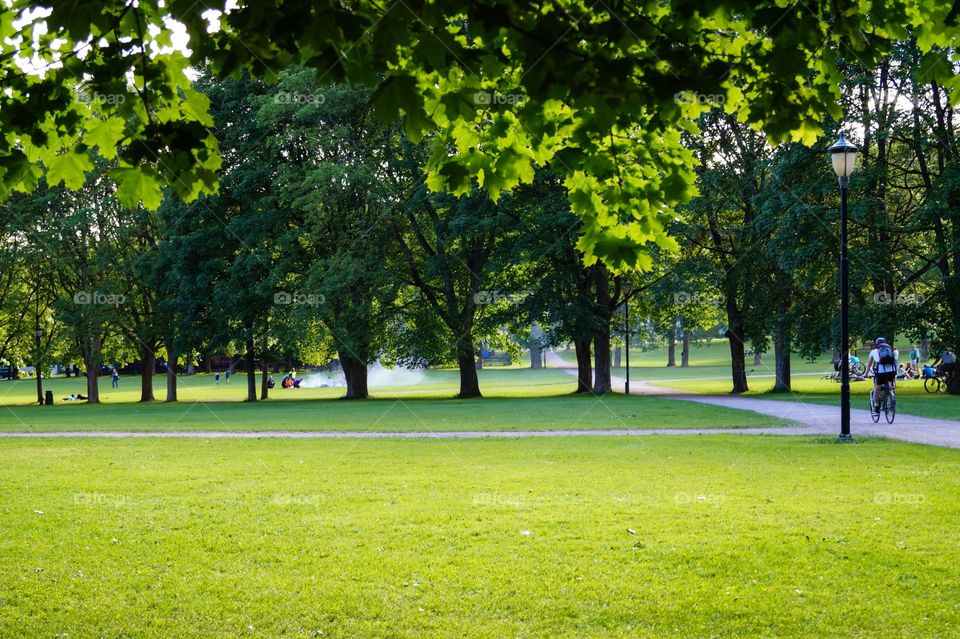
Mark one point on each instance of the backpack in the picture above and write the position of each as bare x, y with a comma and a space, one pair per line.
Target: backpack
885, 353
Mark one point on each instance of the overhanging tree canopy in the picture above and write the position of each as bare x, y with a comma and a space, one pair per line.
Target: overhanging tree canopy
600, 91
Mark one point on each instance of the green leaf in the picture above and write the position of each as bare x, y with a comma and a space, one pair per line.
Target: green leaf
69, 168
105, 135
135, 186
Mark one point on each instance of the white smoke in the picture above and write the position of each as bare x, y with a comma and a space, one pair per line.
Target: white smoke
377, 377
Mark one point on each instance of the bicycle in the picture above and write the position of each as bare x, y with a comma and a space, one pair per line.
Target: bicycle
887, 404
857, 368
937, 383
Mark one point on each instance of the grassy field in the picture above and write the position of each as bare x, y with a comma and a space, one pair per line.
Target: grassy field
391, 415
654, 537
502, 382
516, 399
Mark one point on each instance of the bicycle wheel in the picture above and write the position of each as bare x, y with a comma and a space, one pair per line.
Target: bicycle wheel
890, 406
858, 369
874, 409
931, 384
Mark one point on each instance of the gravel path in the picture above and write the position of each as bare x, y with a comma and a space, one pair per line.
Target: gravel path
815, 419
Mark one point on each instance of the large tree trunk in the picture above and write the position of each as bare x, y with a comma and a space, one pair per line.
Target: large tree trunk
757, 358
171, 372
601, 359
91, 361
617, 355
536, 352
685, 349
208, 363
781, 339
467, 363
672, 347
264, 379
953, 386
737, 355
584, 365
355, 372
781, 356
251, 372
148, 358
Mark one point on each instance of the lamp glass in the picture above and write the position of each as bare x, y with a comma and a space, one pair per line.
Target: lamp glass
844, 162
843, 155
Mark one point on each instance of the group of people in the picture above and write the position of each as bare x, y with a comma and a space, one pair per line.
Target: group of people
287, 381
883, 363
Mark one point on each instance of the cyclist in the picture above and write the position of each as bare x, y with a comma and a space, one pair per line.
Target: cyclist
946, 363
884, 364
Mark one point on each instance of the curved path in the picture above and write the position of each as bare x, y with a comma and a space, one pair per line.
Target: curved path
815, 419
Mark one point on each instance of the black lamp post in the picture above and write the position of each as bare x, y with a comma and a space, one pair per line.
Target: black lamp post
627, 289
843, 156
39, 367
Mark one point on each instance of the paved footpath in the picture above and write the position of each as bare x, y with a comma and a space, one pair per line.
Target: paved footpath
814, 419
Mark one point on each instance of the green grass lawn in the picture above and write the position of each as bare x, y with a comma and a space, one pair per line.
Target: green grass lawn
710, 360
504, 382
912, 399
515, 399
397, 414
626, 537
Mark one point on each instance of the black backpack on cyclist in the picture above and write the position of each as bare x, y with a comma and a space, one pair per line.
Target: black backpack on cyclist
885, 353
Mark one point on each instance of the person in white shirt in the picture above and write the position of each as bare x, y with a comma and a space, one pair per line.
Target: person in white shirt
883, 363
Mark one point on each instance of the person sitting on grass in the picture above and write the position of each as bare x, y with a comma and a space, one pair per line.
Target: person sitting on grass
289, 381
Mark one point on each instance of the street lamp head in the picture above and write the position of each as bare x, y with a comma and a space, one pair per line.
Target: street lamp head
843, 155
39, 332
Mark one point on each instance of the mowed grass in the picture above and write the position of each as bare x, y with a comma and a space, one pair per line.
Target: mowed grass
912, 399
386, 415
711, 359
502, 382
515, 399
657, 537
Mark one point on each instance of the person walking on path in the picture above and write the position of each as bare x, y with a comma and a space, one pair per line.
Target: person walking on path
115, 378
226, 375
216, 378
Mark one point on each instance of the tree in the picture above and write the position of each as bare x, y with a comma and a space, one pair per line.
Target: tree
444, 250
721, 221
225, 243
336, 172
